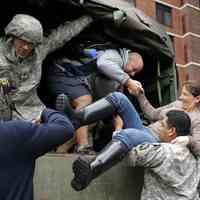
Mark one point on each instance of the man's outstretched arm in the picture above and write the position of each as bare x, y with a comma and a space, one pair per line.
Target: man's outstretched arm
64, 33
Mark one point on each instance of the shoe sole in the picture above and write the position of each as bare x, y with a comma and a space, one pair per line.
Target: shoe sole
82, 174
60, 102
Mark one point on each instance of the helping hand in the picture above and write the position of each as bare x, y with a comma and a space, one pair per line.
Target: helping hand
134, 87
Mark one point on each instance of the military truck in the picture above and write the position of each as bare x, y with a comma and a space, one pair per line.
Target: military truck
117, 23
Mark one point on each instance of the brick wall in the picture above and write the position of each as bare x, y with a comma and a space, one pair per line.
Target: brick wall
193, 17
180, 51
192, 2
177, 3
148, 8
182, 75
193, 44
186, 32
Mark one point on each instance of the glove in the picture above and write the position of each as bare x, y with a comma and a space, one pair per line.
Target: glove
4, 83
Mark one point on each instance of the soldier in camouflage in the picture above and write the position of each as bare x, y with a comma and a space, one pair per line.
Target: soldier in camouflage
171, 170
22, 52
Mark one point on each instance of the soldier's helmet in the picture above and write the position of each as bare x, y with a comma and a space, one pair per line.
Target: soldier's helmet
26, 28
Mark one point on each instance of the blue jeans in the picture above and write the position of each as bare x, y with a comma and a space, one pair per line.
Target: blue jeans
134, 132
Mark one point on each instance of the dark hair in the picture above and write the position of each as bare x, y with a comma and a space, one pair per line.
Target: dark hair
193, 87
179, 120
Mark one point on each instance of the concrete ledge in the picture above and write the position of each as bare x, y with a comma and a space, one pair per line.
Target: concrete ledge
53, 175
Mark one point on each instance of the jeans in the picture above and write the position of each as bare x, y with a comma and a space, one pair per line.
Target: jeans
134, 132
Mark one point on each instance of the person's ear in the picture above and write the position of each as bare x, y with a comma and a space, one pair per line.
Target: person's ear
172, 132
197, 99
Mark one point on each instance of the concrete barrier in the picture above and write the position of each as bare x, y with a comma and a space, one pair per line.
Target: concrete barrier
53, 175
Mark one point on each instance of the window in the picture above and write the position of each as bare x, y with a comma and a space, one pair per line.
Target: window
164, 14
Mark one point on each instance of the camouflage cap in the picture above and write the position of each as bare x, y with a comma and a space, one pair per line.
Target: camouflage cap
25, 27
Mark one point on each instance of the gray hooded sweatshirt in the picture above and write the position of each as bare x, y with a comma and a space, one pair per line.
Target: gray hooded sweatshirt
112, 62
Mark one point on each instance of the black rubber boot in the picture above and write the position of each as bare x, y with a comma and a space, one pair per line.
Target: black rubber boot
85, 170
94, 112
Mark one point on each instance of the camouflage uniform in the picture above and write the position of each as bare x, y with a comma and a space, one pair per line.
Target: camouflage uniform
24, 75
171, 171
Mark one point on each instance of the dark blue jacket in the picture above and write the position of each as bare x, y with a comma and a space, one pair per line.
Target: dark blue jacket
21, 143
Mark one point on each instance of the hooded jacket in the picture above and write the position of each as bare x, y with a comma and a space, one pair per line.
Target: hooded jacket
112, 63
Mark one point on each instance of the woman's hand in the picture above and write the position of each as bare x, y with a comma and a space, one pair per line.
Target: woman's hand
134, 87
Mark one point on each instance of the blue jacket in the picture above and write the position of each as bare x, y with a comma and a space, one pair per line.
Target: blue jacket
21, 143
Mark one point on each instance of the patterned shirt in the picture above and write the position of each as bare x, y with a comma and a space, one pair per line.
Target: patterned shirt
171, 171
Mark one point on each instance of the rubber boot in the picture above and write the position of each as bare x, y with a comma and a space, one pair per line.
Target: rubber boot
94, 112
85, 170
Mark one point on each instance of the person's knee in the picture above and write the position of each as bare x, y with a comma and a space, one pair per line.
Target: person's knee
82, 101
128, 137
118, 135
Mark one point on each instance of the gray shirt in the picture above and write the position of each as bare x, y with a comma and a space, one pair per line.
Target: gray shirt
171, 171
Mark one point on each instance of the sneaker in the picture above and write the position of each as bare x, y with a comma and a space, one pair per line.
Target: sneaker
63, 105
85, 150
82, 173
